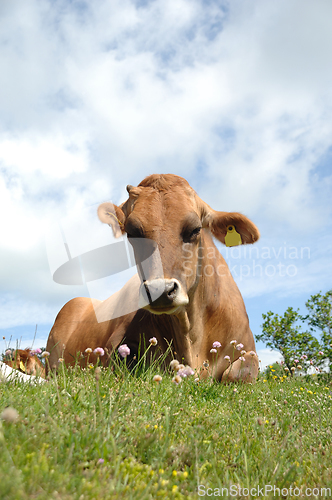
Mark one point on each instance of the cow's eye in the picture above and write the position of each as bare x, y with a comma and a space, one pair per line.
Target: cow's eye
135, 234
191, 235
134, 231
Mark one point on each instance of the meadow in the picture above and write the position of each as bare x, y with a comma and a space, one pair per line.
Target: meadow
106, 433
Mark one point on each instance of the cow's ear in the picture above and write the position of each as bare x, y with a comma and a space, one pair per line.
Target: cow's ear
113, 216
223, 223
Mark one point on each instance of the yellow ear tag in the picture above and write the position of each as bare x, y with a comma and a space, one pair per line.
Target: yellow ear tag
232, 238
22, 366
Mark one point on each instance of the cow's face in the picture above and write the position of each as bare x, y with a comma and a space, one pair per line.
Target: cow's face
164, 219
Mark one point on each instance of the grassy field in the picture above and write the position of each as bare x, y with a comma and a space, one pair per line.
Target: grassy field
111, 434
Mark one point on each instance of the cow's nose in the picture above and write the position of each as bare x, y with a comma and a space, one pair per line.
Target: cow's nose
162, 294
171, 288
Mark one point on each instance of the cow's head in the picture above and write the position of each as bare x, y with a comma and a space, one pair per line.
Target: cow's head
164, 213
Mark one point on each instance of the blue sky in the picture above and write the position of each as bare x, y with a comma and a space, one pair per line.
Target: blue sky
234, 96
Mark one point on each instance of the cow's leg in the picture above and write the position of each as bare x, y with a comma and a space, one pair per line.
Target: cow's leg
242, 371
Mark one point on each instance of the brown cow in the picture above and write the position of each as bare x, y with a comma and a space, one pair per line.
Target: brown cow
26, 362
191, 301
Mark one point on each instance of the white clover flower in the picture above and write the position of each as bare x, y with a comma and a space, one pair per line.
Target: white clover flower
99, 351
124, 350
177, 379
174, 364
88, 350
10, 415
216, 344
213, 350
153, 341
157, 378
187, 371
233, 342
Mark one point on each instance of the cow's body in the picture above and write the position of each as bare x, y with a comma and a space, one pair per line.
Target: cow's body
200, 302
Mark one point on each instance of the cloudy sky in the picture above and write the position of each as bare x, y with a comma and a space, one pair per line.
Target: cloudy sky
234, 96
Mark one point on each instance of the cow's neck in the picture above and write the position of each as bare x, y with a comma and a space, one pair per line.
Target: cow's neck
203, 302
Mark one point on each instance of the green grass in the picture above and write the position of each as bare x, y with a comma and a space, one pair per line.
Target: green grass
162, 440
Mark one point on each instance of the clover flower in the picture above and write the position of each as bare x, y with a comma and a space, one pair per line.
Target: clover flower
299, 367
239, 347
233, 342
35, 351
100, 461
153, 341
241, 358
157, 379
45, 354
213, 350
252, 353
227, 358
8, 352
99, 351
10, 415
293, 368
187, 371
174, 364
97, 373
60, 360
321, 353
124, 350
304, 356
243, 352
216, 344
88, 350
177, 379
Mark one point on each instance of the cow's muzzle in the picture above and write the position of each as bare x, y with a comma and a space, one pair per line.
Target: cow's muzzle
162, 296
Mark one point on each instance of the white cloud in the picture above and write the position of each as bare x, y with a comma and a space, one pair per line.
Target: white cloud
45, 155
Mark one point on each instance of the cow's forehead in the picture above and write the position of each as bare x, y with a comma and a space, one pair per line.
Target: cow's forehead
176, 201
